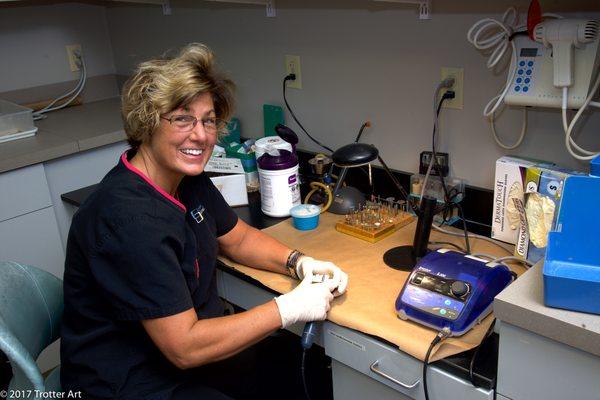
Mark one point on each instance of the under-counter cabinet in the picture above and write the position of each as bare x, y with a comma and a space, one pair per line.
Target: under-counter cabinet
354, 355
34, 222
545, 353
531, 367
28, 229
364, 367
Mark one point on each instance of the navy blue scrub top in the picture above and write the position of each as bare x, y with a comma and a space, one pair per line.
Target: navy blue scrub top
134, 253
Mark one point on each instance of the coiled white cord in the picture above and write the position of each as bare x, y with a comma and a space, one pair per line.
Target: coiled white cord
585, 155
489, 33
521, 136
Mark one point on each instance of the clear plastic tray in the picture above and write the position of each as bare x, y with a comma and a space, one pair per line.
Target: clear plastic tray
455, 187
16, 121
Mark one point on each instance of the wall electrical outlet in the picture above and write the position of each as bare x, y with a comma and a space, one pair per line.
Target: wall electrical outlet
458, 75
72, 51
292, 66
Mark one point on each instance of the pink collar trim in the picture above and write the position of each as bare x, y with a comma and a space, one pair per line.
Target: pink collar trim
144, 177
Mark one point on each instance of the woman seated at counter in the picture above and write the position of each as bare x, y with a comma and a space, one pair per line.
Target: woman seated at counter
141, 303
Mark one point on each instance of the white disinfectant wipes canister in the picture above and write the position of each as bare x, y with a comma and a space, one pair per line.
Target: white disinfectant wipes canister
267, 143
279, 182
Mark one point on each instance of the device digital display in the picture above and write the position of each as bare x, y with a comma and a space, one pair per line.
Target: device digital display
529, 52
432, 303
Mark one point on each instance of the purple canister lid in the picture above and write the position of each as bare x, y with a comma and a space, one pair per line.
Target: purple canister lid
284, 160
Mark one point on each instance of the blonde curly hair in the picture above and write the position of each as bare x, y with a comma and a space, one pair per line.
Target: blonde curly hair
162, 85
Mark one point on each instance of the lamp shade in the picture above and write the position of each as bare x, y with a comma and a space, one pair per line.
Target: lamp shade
355, 155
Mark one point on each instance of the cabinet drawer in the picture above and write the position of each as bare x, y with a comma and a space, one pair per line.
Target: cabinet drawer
349, 384
385, 364
22, 191
359, 352
33, 239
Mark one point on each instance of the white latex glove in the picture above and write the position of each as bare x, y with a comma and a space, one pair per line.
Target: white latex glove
308, 266
307, 302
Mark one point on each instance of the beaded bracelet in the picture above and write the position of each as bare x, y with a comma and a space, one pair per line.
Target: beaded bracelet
291, 263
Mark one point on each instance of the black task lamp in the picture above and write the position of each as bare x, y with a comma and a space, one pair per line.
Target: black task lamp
402, 257
348, 198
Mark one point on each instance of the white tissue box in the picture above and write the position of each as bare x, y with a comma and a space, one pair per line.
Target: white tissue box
228, 176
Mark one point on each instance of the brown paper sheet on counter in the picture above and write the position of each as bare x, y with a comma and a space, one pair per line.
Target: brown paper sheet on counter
369, 303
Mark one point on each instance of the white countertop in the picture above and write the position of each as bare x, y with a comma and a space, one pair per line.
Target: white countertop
64, 132
522, 304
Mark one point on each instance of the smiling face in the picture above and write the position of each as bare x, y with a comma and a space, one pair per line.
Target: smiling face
174, 152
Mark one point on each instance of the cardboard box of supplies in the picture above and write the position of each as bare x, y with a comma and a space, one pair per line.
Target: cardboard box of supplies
526, 200
228, 176
508, 185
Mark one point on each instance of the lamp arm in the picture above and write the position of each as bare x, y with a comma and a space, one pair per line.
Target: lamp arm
399, 186
340, 180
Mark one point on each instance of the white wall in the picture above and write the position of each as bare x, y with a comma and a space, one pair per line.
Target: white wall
33, 40
360, 60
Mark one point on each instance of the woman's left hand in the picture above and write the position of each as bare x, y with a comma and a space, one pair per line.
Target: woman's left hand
308, 266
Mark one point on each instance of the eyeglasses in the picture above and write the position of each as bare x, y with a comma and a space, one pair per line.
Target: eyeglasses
186, 123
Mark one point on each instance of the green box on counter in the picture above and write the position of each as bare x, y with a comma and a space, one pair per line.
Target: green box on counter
248, 163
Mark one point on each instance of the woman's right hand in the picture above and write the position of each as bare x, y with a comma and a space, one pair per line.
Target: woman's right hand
307, 302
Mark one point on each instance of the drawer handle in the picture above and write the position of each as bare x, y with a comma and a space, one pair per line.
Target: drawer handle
373, 368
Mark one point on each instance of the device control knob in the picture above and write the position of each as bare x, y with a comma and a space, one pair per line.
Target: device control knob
459, 288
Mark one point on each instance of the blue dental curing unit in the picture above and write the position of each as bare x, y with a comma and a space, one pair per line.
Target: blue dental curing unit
572, 265
449, 289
